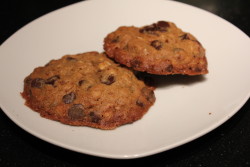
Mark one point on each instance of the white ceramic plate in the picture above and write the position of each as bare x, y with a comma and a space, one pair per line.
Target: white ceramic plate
186, 107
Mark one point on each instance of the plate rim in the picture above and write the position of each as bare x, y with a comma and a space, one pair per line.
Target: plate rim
156, 151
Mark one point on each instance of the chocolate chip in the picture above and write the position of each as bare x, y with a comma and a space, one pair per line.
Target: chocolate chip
159, 26
139, 103
85, 84
81, 82
162, 26
151, 97
52, 80
69, 98
116, 39
37, 83
148, 29
149, 94
169, 68
76, 112
156, 44
108, 80
71, 58
111, 79
135, 63
184, 37
94, 118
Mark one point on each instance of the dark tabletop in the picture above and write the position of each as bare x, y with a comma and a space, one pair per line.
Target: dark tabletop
228, 145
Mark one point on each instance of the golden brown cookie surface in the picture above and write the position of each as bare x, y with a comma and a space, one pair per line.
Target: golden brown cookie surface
87, 89
160, 48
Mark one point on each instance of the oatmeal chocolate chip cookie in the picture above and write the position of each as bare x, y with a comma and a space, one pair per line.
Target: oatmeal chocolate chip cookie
87, 89
161, 48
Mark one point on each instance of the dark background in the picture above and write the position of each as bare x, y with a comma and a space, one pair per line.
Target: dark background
228, 145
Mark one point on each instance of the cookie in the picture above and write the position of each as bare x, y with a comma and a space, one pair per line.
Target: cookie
87, 89
161, 48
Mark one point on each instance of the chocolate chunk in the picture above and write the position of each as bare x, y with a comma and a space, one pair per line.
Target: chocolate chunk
159, 26
156, 44
76, 112
71, 58
108, 80
94, 118
184, 37
169, 68
111, 79
69, 98
162, 26
148, 29
81, 82
116, 39
139, 103
85, 84
135, 63
149, 94
37, 83
52, 80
